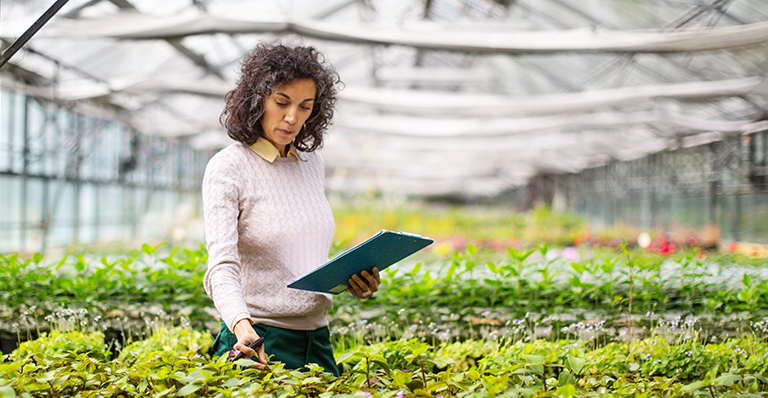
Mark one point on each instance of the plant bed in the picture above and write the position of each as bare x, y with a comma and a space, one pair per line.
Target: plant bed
467, 294
172, 362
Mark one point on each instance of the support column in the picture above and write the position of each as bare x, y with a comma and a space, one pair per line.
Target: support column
714, 184
737, 217
24, 177
77, 121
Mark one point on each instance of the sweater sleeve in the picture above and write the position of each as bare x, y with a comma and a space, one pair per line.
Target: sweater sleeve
221, 210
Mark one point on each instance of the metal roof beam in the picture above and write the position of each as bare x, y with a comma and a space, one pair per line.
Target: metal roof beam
197, 59
76, 11
716, 5
36, 26
338, 7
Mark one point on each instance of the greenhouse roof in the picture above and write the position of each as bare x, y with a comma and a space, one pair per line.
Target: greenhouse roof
441, 97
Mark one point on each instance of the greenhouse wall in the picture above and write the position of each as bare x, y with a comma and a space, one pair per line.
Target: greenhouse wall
67, 176
722, 184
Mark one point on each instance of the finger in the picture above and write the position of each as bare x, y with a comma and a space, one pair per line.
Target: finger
366, 285
366, 291
262, 360
361, 289
371, 282
352, 289
262, 355
376, 275
248, 351
357, 283
258, 365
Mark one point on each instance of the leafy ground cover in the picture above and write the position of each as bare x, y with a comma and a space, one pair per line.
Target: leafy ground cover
539, 291
123, 293
171, 362
485, 320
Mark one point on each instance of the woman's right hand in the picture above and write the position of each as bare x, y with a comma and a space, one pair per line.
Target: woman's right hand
245, 336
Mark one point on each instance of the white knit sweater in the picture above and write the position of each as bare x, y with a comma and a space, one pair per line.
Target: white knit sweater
265, 225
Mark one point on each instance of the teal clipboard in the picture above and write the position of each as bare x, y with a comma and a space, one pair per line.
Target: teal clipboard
381, 250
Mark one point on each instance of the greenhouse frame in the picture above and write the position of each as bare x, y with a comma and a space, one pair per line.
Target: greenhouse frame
510, 198
651, 113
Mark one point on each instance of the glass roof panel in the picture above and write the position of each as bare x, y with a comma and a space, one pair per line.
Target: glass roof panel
174, 86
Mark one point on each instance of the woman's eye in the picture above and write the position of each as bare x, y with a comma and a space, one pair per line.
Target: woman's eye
306, 108
282, 103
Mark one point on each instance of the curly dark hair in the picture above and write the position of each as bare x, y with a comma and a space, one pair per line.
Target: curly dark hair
271, 65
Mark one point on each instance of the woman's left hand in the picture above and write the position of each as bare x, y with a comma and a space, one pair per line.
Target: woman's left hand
367, 285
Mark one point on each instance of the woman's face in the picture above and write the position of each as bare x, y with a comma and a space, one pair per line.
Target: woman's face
285, 111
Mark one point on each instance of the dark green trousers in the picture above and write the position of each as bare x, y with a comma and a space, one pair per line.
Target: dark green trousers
294, 348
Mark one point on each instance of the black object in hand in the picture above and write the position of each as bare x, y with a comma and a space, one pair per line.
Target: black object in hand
255, 346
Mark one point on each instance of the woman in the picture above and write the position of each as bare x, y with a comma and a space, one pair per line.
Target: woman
267, 220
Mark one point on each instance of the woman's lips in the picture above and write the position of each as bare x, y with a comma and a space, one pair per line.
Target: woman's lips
285, 132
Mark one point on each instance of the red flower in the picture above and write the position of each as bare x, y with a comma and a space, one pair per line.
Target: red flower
667, 248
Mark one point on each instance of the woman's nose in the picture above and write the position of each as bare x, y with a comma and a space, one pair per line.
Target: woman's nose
290, 116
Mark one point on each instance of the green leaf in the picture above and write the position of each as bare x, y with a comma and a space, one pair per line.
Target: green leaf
7, 392
232, 382
441, 364
574, 281
29, 368
533, 358
402, 378
608, 265
378, 360
727, 379
146, 248
567, 390
60, 263
536, 368
166, 392
345, 356
416, 269
576, 364
37, 258
543, 249
745, 280
415, 385
175, 250
245, 362
80, 265
694, 386
566, 378
520, 256
493, 267
451, 271
189, 389
471, 249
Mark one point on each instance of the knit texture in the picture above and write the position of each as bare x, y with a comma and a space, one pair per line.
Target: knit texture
266, 224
